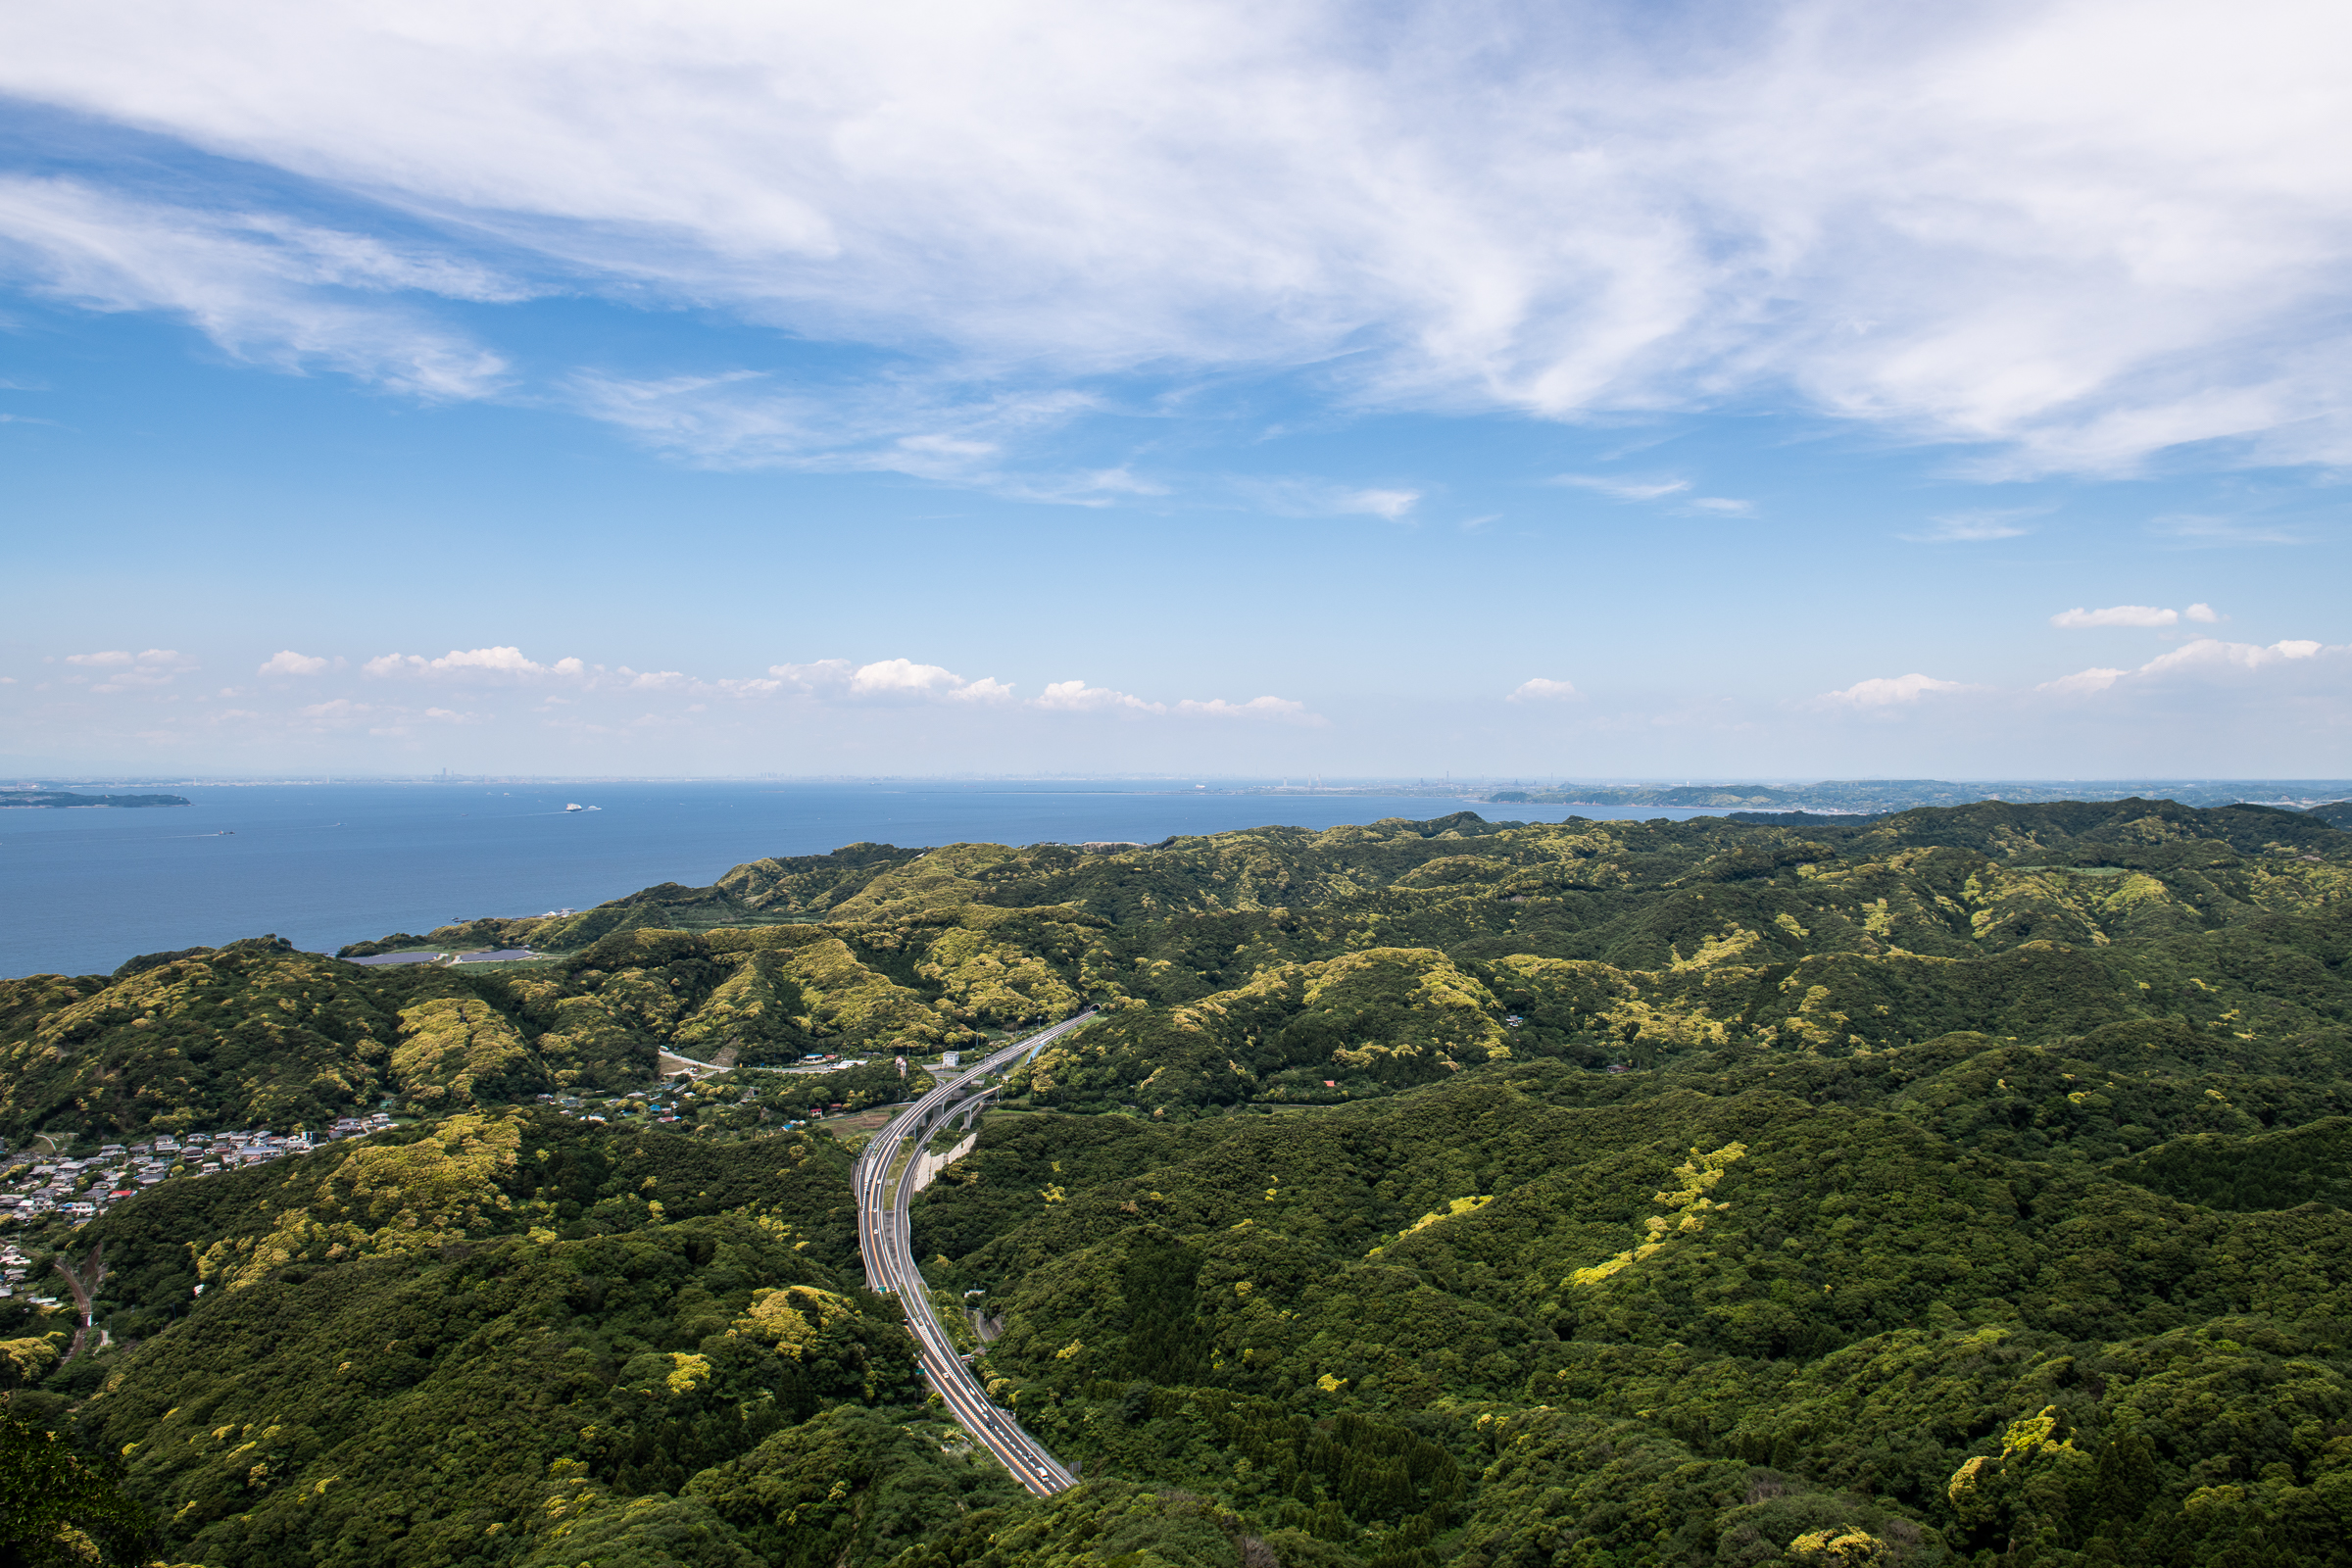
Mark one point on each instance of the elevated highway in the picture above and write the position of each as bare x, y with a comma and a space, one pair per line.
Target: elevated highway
885, 1186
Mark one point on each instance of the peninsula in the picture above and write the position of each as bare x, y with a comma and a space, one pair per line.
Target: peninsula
57, 800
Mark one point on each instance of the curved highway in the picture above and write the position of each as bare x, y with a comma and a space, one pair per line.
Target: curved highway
883, 1237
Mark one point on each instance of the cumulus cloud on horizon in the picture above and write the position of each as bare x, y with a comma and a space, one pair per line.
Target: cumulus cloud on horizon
2115, 616
1555, 211
1077, 697
1886, 691
2144, 615
839, 681
120, 670
287, 661
2205, 655
471, 662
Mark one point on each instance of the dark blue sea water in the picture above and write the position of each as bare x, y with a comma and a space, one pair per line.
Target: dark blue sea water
325, 864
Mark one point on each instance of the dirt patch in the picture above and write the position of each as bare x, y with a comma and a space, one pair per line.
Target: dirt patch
859, 1125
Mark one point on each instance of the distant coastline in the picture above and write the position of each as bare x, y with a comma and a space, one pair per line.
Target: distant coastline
64, 800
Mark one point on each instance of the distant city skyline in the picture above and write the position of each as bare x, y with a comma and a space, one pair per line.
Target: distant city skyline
1600, 392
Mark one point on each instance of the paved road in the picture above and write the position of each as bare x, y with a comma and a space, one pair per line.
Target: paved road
883, 1236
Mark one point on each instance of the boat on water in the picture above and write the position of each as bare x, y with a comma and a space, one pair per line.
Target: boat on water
575, 808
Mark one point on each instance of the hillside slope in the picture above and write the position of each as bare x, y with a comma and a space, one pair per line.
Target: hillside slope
1956, 1186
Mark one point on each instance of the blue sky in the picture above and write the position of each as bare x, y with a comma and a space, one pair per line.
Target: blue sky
1576, 391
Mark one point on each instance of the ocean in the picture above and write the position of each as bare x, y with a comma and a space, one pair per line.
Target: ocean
325, 864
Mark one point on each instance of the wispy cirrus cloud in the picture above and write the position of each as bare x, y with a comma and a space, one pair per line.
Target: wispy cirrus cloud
1304, 497
1617, 489
924, 426
1677, 491
1555, 211
264, 287
2193, 531
1978, 526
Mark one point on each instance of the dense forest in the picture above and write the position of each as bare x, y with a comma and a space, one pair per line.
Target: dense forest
1957, 1185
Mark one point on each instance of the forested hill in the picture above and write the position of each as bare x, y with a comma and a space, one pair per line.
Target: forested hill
1961, 1185
60, 799
1277, 966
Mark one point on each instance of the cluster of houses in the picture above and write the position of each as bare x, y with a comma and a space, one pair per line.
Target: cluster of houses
649, 1103
81, 1187
13, 1267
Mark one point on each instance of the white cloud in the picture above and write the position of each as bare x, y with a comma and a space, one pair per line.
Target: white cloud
1539, 690
1886, 691
2083, 682
2212, 653
742, 420
838, 680
2204, 613
1077, 697
287, 661
1275, 707
472, 662
2081, 230
2190, 531
897, 676
336, 714
2206, 657
886, 679
1976, 527
903, 677
987, 689
265, 287
1323, 498
124, 669
823, 674
1389, 503
1624, 489
2116, 616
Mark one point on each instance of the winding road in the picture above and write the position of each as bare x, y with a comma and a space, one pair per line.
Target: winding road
883, 1237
